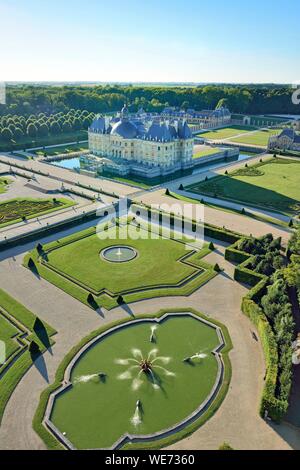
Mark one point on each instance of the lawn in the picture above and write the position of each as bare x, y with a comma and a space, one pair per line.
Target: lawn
260, 138
80, 411
273, 185
62, 149
14, 210
17, 321
4, 182
173, 346
162, 267
27, 142
8, 333
206, 152
226, 132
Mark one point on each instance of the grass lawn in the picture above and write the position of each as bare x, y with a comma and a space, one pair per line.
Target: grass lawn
17, 320
79, 411
132, 181
4, 182
8, 332
221, 208
226, 132
206, 152
162, 267
27, 142
62, 149
260, 138
91, 401
12, 211
273, 185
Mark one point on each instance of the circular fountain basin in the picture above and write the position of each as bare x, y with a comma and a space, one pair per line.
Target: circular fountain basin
130, 404
119, 254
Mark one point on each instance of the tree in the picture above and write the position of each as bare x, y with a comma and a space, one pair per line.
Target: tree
43, 130
92, 302
217, 268
39, 248
223, 103
6, 135
225, 446
167, 192
38, 325
120, 300
55, 128
181, 187
66, 127
31, 264
31, 130
18, 134
34, 348
77, 124
211, 246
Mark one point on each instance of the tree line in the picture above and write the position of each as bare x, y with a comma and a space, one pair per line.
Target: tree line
245, 99
14, 127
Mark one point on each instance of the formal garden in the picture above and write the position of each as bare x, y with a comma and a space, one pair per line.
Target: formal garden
225, 132
106, 267
122, 385
271, 273
272, 184
61, 149
25, 337
259, 138
23, 209
241, 134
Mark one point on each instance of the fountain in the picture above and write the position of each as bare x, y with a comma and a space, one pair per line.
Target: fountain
137, 418
144, 366
153, 335
195, 356
118, 254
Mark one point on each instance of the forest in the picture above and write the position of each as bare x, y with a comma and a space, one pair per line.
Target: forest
28, 99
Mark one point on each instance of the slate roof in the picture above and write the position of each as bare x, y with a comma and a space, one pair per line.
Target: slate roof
138, 128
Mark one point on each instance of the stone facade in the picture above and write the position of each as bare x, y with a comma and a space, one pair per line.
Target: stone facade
135, 144
288, 139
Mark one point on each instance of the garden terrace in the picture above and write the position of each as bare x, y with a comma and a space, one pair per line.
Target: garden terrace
19, 209
162, 266
19, 328
273, 185
225, 132
259, 138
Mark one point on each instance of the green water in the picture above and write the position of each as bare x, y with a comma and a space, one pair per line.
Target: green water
97, 413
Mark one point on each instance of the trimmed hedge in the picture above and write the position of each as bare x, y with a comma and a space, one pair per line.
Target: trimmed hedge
275, 408
234, 255
270, 404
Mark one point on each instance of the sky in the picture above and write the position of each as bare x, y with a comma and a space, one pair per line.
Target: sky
236, 41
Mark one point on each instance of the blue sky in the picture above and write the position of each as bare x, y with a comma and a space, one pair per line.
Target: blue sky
150, 40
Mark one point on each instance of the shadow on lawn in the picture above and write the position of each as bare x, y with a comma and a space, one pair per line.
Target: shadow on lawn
40, 364
42, 334
242, 192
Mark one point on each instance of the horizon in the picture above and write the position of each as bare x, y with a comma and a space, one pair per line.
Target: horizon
142, 83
